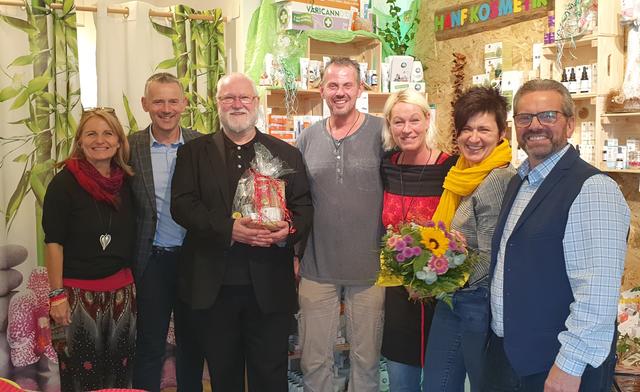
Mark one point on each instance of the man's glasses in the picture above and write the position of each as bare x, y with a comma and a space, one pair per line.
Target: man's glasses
548, 117
105, 109
228, 99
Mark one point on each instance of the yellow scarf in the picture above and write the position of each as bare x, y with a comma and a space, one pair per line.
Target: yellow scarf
463, 179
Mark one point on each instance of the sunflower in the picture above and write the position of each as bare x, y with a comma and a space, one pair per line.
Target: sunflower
434, 240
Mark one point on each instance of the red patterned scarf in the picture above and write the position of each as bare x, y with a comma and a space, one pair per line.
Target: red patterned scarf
106, 189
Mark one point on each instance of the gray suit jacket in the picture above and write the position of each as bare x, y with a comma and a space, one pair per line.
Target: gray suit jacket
144, 193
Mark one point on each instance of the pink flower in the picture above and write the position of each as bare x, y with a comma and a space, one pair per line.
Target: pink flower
400, 245
391, 242
400, 258
408, 239
416, 251
459, 238
439, 264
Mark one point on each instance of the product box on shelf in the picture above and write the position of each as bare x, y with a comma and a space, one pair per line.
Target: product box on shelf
400, 68
301, 15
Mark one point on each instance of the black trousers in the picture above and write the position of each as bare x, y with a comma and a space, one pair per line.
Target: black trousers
157, 298
500, 376
235, 332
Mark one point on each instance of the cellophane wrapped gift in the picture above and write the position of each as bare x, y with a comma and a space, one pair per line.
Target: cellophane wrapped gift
261, 191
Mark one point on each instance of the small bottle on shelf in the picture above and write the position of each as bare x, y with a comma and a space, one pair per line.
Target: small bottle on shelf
573, 82
564, 80
585, 83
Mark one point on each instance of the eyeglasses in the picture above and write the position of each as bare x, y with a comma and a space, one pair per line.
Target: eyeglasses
548, 117
99, 109
229, 99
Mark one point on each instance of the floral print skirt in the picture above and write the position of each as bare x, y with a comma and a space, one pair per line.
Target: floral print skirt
97, 350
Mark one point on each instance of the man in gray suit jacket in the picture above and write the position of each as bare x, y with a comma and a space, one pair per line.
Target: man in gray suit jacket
153, 155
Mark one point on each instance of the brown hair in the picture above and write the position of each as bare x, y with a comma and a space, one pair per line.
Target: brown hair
480, 100
122, 154
343, 62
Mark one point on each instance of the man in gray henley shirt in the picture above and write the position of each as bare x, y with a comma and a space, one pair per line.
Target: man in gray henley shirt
342, 155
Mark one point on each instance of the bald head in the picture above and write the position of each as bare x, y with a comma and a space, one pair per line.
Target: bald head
235, 77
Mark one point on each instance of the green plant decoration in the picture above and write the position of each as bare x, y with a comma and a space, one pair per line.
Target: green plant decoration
199, 60
399, 39
53, 99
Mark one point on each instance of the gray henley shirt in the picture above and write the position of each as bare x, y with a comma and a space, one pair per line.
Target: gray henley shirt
346, 188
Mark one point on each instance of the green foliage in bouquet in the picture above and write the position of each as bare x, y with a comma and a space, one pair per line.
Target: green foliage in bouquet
429, 260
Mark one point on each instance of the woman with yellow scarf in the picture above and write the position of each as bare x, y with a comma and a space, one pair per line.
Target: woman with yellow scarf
470, 203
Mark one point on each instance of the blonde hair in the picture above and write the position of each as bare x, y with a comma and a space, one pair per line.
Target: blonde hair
122, 154
432, 139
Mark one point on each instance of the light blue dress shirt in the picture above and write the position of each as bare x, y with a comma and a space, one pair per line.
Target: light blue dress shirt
163, 160
594, 251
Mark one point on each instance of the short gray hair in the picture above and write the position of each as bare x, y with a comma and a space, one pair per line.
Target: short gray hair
162, 77
546, 85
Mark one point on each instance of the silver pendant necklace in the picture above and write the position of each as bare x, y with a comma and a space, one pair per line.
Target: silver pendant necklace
105, 239
338, 143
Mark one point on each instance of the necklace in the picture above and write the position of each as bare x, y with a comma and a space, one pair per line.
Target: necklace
405, 213
105, 239
338, 143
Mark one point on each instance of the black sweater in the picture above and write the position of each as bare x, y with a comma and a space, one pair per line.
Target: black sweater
73, 219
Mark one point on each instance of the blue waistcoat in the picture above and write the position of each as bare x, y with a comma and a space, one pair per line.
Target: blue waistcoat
536, 289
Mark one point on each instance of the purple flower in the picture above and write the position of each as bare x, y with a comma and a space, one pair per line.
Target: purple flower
400, 258
430, 224
417, 251
400, 245
442, 227
407, 252
453, 245
408, 239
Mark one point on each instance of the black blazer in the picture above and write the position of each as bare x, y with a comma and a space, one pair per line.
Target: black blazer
201, 202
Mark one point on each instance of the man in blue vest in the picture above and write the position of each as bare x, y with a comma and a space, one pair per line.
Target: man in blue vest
557, 258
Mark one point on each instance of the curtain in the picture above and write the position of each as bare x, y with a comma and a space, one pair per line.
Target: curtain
39, 106
130, 49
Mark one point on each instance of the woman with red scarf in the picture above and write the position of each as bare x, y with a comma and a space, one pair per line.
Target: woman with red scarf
89, 227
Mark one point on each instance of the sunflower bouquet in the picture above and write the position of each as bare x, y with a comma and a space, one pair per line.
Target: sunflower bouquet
429, 260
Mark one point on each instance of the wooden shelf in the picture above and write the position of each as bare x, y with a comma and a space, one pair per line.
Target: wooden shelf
310, 101
316, 92
621, 115
587, 40
583, 96
634, 171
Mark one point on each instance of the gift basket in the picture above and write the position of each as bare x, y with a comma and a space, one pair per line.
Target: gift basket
260, 194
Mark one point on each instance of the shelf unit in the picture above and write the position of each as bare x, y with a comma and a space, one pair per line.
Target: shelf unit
309, 102
604, 47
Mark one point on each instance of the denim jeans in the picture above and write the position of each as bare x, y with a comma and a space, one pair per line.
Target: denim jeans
403, 377
457, 342
318, 326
